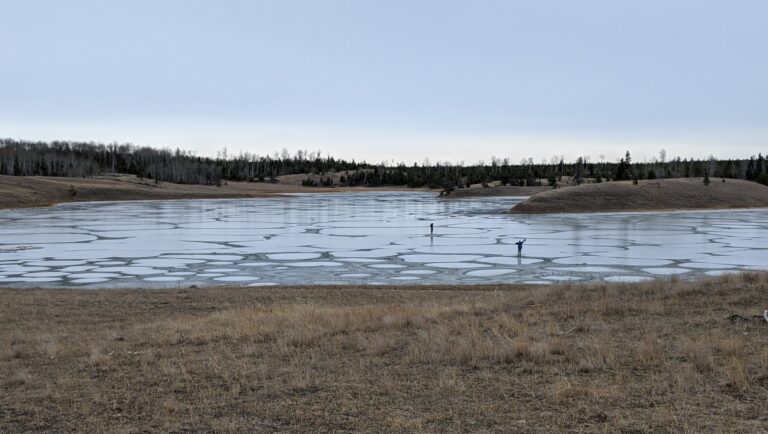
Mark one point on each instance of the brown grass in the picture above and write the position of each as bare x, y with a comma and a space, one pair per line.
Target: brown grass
648, 195
650, 357
37, 191
498, 190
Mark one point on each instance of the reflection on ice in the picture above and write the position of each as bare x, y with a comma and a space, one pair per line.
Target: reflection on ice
88, 281
585, 269
133, 271
94, 276
628, 279
293, 256
701, 265
366, 238
512, 260
77, 268
55, 263
383, 266
715, 273
45, 274
457, 265
666, 271
315, 264
31, 279
562, 278
19, 269
163, 279
491, 273
439, 258
612, 260
236, 278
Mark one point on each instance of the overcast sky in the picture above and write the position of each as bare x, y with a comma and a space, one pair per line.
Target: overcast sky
401, 80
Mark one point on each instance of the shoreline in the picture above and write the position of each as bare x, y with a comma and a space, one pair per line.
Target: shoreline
173, 199
45, 192
396, 287
695, 275
20, 192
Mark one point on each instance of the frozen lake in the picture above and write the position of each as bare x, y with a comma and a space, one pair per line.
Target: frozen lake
363, 238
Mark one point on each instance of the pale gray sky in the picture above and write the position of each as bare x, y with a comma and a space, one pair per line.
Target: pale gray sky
402, 80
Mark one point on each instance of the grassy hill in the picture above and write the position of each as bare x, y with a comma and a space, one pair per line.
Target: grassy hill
33, 191
36, 191
499, 190
647, 195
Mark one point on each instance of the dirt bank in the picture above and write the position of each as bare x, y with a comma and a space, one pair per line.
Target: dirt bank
647, 195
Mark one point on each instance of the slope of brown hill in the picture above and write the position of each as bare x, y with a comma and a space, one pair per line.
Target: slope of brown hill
499, 190
648, 195
34, 191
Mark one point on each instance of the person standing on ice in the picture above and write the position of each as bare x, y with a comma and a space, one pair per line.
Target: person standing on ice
520, 247
431, 229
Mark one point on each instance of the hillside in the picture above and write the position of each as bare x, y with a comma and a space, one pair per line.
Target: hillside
648, 195
34, 191
499, 190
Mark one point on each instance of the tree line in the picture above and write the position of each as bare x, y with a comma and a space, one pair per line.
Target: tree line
81, 159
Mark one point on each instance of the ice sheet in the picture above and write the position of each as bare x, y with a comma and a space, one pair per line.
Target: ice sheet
363, 238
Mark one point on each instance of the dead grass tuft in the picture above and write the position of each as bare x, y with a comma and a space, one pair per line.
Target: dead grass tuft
597, 354
98, 359
649, 352
564, 392
699, 353
762, 365
171, 406
736, 373
18, 378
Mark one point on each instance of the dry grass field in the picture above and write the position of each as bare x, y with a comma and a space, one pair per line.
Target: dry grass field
648, 195
651, 357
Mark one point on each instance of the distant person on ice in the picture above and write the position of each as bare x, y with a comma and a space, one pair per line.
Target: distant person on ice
520, 247
431, 229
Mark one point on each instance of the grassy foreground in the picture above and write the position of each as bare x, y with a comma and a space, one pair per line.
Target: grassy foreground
592, 357
648, 195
